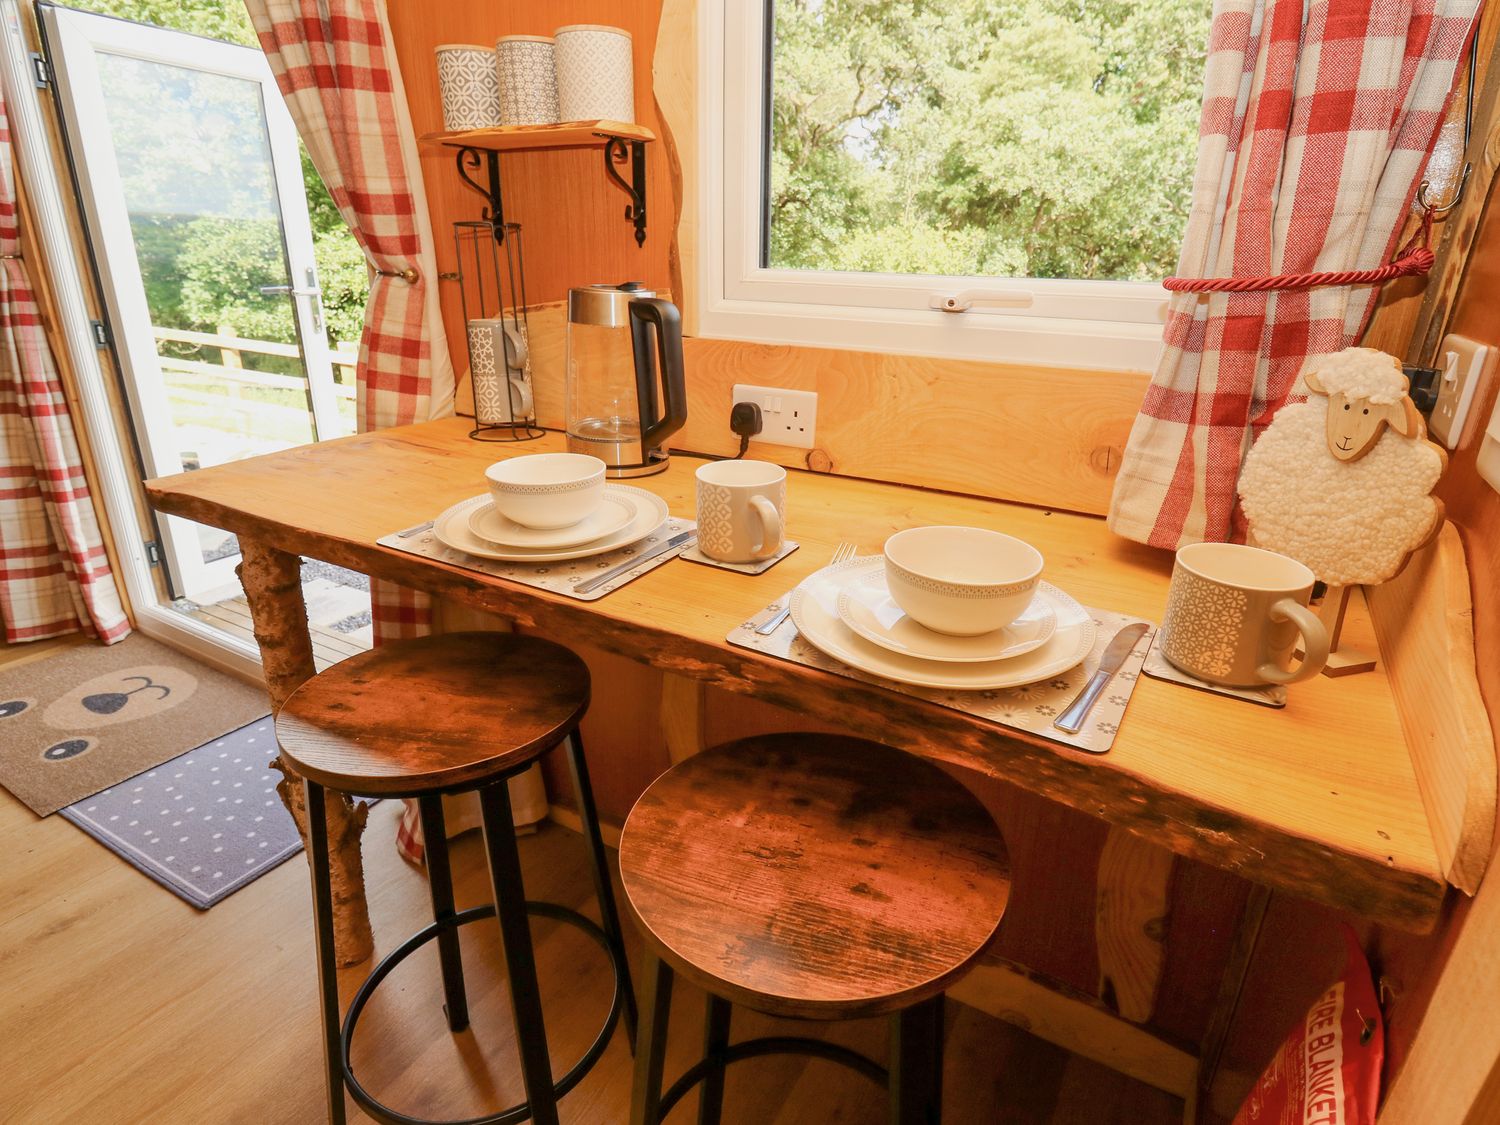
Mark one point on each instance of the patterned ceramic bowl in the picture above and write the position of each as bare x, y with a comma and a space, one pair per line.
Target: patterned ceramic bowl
547, 490
963, 581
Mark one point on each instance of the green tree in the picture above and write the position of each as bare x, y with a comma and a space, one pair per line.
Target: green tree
205, 270
1033, 138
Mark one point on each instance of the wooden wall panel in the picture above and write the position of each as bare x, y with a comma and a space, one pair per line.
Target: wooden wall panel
1051, 437
1416, 964
574, 229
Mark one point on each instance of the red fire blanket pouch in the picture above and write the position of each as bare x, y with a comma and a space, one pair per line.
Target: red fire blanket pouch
1327, 1071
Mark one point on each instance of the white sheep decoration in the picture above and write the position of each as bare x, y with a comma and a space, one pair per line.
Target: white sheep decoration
1343, 481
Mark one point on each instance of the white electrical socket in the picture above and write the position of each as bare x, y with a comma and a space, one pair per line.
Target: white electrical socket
786, 417
1461, 364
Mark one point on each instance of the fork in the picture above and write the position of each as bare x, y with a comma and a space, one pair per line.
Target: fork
842, 553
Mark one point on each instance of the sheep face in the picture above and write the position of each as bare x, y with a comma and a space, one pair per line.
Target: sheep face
1355, 423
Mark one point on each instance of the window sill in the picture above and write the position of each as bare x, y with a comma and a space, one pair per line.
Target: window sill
992, 337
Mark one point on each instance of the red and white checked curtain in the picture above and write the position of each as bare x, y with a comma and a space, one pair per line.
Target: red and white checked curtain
1317, 123
336, 67
337, 70
55, 577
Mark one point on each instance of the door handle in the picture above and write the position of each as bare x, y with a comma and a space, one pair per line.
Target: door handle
313, 290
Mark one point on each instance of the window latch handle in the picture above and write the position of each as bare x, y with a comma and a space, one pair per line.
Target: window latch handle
966, 299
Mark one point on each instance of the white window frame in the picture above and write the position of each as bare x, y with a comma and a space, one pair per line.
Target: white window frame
1114, 325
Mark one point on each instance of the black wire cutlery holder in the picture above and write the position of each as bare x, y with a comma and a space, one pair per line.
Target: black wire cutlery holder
497, 330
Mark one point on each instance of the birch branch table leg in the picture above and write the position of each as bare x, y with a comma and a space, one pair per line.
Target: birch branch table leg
273, 587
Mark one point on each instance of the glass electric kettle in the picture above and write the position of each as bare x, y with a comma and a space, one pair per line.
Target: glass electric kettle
625, 388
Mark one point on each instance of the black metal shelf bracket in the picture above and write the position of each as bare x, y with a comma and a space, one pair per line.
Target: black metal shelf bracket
615, 151
494, 212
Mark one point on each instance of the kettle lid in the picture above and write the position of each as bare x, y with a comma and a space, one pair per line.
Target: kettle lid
605, 305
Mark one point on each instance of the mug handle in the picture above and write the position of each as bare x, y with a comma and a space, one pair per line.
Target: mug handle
770, 527
1314, 644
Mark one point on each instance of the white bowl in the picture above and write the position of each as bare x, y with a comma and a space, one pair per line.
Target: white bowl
962, 581
547, 490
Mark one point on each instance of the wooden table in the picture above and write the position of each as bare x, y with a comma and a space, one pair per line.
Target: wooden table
1320, 799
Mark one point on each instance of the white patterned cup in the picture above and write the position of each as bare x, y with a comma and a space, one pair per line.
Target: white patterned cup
595, 73
1234, 614
741, 510
527, 67
487, 370
469, 85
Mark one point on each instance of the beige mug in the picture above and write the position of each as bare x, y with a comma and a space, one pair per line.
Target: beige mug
741, 505
1234, 614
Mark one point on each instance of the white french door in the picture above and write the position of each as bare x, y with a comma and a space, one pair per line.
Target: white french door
189, 173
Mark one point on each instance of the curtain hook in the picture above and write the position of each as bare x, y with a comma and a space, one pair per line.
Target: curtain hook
1463, 177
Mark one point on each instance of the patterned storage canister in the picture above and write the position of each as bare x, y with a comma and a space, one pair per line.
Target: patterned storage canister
528, 79
470, 87
595, 74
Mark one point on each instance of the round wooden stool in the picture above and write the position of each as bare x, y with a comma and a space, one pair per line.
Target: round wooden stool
452, 714
815, 877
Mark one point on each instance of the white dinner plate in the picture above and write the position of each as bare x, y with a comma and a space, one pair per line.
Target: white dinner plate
615, 510
452, 530
815, 613
866, 606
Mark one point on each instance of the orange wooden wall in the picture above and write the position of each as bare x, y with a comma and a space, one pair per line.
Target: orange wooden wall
572, 216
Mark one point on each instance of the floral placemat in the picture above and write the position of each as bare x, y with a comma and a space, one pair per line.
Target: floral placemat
694, 554
1031, 707
554, 577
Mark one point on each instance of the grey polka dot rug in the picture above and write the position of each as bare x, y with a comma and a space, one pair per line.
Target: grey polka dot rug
203, 824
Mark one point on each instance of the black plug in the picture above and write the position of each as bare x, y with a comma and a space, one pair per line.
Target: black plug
1424, 386
745, 420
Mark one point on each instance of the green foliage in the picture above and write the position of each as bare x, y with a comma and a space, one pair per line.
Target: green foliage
1033, 138
203, 266
217, 19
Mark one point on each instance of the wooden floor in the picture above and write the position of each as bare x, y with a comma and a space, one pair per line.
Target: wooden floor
122, 1004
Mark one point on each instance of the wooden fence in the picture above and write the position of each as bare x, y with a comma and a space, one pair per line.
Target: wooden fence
231, 369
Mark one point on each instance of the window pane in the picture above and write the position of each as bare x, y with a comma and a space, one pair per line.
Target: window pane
1004, 138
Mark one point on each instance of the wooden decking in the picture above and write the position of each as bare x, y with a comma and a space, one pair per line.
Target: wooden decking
327, 604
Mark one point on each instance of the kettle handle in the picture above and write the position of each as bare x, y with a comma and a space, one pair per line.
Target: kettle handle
664, 317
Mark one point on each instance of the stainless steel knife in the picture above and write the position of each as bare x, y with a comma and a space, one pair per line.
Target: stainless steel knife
1124, 642
681, 539
768, 620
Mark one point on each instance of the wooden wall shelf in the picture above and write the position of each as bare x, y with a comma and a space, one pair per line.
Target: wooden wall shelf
620, 140
530, 138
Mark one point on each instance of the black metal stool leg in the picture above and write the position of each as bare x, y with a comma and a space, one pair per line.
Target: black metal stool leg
520, 963
328, 973
916, 1064
715, 1042
440, 881
651, 1049
609, 917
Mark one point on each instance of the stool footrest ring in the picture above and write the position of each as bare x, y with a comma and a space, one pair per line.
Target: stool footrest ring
770, 1045
522, 1110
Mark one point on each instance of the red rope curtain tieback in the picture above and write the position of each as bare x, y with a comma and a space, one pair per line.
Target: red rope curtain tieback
1413, 259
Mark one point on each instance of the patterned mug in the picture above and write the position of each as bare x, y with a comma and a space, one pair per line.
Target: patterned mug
741, 505
1234, 614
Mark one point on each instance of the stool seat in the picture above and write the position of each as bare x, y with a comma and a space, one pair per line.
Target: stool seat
432, 714
814, 876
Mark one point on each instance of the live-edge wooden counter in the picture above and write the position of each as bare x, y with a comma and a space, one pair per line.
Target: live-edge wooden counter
1319, 799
